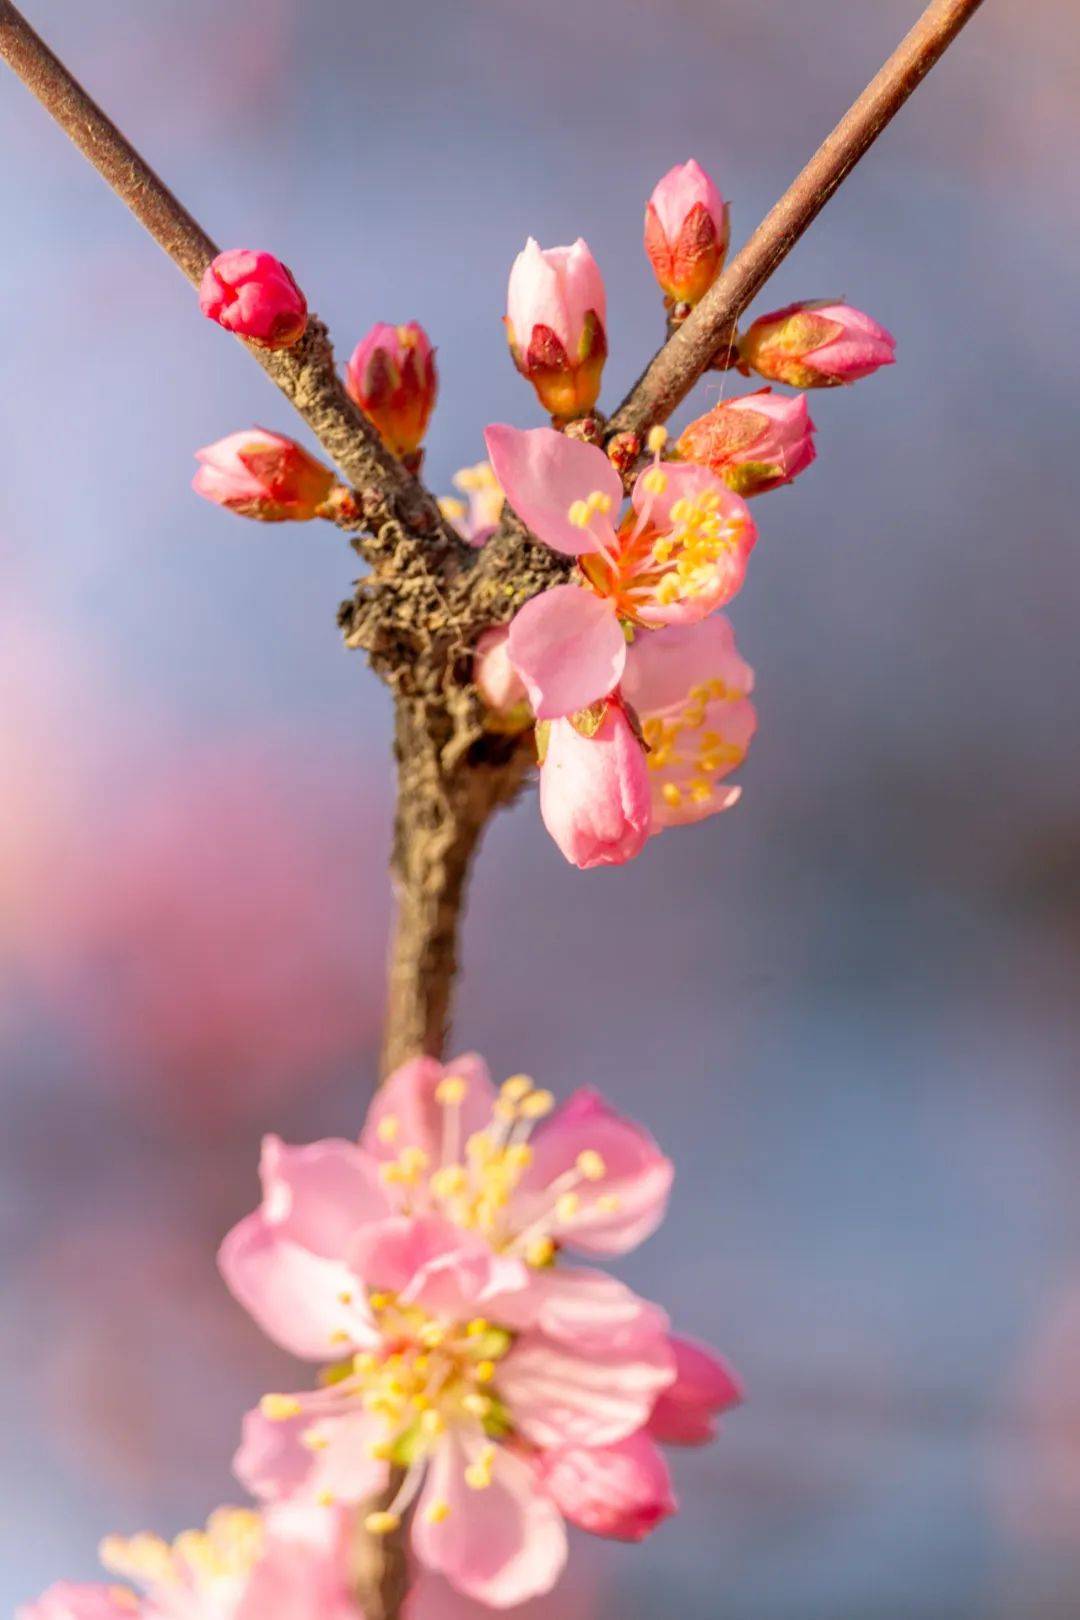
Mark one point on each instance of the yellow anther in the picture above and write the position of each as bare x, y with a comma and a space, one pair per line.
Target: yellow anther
381, 1450
413, 1160
365, 1362
681, 510
432, 1424
390, 1174
518, 1156
380, 1302
477, 1405
701, 791
382, 1524
280, 1408
345, 1297
477, 1327
485, 1372
480, 1148
609, 1204
312, 1440
599, 501
537, 1105
421, 1366
540, 1253
478, 1474
655, 481
579, 514
325, 1499
451, 508
656, 439
668, 590
432, 1335
505, 1110
438, 1513
591, 1165
567, 1207
451, 1180
671, 795
452, 1090
516, 1088
339, 1336
388, 1128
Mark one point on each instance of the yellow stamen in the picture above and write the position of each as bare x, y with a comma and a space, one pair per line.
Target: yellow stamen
388, 1128
655, 481
591, 1165
656, 439
540, 1253
280, 1408
452, 1090
579, 514
537, 1105
438, 1513
567, 1207
485, 1372
516, 1088
382, 1524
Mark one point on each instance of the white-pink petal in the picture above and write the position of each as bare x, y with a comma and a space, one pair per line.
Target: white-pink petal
543, 473
569, 649
310, 1305
274, 1464
559, 1396
407, 1114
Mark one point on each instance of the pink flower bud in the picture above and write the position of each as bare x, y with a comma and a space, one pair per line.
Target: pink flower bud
498, 682
622, 1491
263, 475
705, 1386
816, 345
255, 296
392, 378
686, 233
595, 794
556, 311
755, 442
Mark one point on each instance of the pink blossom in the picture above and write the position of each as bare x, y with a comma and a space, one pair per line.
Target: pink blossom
498, 682
255, 296
595, 794
263, 475
422, 1261
686, 232
556, 311
393, 379
476, 517
622, 1491
755, 442
816, 345
679, 553
685, 1413
690, 689
287, 1563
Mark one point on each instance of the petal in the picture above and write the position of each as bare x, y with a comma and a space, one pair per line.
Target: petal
318, 1195
569, 649
543, 473
559, 1397
70, 1600
303, 1571
704, 1386
406, 1113
308, 1304
623, 1491
502, 1545
274, 1463
662, 668
588, 1310
637, 1177
429, 1262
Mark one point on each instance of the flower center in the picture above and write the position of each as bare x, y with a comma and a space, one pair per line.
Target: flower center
227, 1549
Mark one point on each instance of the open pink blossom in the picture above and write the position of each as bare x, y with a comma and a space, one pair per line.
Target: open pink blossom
476, 517
816, 345
255, 296
420, 1262
263, 475
555, 324
705, 1386
286, 1563
690, 689
595, 794
392, 377
679, 553
622, 1491
755, 442
686, 232
498, 682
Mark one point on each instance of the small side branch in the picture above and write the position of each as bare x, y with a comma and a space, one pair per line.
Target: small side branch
709, 330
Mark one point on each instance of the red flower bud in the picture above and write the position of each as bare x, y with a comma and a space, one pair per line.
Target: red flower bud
255, 296
392, 378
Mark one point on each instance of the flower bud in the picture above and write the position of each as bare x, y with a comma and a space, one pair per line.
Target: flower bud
622, 1491
595, 795
686, 233
500, 686
255, 296
755, 442
555, 322
392, 378
815, 345
263, 475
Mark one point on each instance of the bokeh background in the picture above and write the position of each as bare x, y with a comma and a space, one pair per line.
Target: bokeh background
849, 1009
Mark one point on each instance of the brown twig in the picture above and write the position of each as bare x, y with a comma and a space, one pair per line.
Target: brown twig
306, 373
687, 355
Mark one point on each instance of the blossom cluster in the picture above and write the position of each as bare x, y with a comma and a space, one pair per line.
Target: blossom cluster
474, 1382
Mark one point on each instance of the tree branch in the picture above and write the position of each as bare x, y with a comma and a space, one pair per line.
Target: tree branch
306, 373
710, 328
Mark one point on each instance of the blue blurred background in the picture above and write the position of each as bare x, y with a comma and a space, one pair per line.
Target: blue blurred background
849, 1009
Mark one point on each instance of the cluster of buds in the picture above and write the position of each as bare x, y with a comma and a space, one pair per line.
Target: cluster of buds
392, 377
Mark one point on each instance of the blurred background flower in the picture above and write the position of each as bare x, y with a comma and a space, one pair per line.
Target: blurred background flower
849, 1011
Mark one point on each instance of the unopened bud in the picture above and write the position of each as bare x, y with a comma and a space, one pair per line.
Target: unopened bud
686, 233
816, 345
755, 442
263, 475
556, 311
392, 377
255, 296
